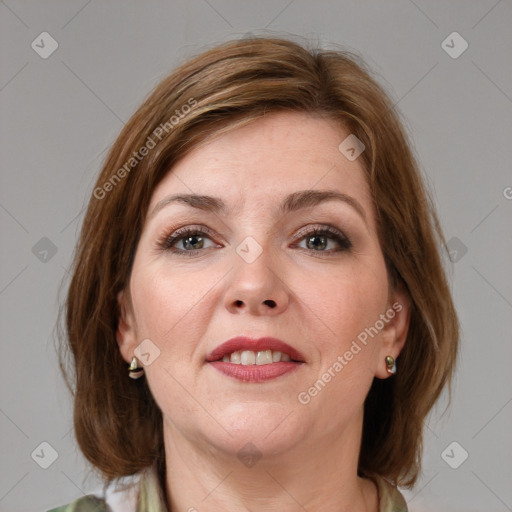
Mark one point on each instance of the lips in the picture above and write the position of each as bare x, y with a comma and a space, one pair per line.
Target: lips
241, 343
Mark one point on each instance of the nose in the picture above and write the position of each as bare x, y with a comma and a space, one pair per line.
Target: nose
256, 288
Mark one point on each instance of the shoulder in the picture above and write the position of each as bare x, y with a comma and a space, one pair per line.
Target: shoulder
390, 498
89, 503
120, 496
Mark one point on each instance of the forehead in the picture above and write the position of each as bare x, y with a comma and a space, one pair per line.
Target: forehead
267, 159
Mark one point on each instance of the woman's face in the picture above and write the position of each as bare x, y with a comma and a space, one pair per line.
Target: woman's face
275, 236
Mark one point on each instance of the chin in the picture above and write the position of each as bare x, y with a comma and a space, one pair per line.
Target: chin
271, 428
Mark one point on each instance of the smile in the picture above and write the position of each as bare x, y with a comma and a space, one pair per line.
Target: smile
269, 358
256, 372
261, 357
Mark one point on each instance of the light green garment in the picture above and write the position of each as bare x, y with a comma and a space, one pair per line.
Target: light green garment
150, 497
390, 499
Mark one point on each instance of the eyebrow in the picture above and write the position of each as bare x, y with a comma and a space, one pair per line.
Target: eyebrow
293, 202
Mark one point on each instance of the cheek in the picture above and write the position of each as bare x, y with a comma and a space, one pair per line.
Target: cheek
345, 303
347, 354
169, 305
354, 306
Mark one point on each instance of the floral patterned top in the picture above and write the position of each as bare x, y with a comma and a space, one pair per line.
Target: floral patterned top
144, 494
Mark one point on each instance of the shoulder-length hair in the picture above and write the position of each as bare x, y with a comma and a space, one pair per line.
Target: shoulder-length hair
118, 425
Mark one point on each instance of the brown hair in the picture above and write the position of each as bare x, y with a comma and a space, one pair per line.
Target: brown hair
117, 423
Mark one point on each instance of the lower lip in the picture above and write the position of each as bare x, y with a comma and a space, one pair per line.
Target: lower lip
255, 372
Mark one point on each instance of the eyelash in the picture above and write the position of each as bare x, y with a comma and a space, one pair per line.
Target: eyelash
166, 242
340, 238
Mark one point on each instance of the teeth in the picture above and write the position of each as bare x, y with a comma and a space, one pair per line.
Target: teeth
249, 357
264, 357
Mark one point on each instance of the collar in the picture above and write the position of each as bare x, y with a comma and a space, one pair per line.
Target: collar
151, 497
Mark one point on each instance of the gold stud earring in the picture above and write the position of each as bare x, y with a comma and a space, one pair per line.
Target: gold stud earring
391, 365
134, 370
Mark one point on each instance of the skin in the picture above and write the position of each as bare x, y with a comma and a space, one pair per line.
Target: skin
189, 304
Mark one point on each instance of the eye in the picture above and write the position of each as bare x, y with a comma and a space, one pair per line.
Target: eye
325, 239
193, 239
187, 240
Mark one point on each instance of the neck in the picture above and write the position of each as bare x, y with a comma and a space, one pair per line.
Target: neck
315, 475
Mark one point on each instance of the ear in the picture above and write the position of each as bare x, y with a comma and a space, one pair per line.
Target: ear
394, 334
126, 333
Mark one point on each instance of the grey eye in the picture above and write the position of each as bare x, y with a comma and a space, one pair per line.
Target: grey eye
193, 242
316, 242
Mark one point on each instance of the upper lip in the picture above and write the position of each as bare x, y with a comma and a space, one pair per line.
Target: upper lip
246, 343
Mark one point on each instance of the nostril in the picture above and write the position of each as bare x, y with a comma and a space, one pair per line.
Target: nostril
270, 303
238, 303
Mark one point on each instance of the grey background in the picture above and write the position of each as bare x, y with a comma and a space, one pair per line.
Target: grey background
60, 114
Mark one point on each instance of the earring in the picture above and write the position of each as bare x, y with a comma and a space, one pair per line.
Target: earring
391, 365
134, 370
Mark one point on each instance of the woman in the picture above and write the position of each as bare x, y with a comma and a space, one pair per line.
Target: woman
261, 252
